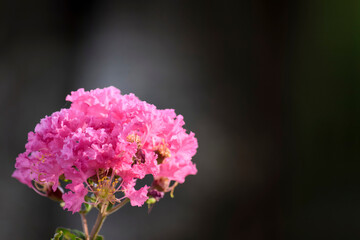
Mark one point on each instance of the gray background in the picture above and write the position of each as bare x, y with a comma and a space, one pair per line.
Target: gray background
271, 89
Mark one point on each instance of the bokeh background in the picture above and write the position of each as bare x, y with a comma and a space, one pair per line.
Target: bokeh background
271, 89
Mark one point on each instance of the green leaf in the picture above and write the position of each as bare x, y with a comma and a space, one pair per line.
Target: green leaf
68, 234
91, 198
57, 235
78, 233
87, 208
109, 207
71, 234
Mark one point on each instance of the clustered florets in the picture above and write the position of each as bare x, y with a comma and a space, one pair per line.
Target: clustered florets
101, 145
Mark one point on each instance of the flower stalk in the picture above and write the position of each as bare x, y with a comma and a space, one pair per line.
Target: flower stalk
98, 224
117, 207
102, 215
85, 226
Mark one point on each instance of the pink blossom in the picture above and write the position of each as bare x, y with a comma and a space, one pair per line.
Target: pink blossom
75, 198
102, 144
137, 197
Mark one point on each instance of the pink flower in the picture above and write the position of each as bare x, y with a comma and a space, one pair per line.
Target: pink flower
137, 198
75, 198
102, 144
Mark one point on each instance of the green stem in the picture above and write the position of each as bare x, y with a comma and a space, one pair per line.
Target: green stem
98, 224
102, 216
117, 207
85, 226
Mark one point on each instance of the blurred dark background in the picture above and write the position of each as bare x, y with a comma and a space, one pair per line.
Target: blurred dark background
271, 89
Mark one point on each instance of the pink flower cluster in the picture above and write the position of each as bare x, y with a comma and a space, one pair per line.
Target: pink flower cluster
101, 145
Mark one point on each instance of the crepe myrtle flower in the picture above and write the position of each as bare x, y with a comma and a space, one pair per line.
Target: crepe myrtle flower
93, 153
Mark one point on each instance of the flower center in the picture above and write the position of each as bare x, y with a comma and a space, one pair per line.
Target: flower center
106, 189
163, 152
133, 137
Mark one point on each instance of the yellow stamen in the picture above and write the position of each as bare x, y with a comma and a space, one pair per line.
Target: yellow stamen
162, 151
133, 137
